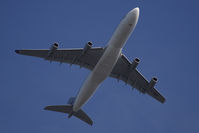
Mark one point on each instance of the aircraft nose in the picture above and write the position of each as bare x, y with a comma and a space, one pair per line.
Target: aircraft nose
135, 12
133, 16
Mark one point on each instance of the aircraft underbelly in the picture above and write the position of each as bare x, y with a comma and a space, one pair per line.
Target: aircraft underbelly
99, 74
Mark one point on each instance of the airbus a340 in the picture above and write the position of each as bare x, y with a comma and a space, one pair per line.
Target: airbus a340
103, 62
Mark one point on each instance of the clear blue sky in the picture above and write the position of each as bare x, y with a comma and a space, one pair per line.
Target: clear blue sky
165, 39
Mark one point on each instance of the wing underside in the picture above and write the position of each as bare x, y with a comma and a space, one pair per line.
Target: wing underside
71, 56
134, 78
89, 59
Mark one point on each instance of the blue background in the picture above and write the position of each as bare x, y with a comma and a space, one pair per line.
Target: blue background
165, 39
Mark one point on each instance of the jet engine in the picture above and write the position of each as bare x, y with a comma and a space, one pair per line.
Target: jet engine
87, 47
134, 63
152, 83
53, 48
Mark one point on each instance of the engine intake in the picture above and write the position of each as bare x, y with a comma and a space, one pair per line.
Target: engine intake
152, 83
134, 63
53, 48
87, 47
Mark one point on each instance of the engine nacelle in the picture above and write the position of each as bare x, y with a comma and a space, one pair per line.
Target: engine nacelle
87, 47
152, 83
134, 63
53, 48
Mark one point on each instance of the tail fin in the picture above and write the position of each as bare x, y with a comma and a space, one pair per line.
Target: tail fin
69, 110
71, 100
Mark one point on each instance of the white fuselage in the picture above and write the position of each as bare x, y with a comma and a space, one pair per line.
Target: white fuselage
109, 58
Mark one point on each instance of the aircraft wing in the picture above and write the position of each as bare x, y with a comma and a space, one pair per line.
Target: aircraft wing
72, 56
134, 78
89, 59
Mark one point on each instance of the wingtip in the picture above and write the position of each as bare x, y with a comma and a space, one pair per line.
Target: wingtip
17, 51
46, 108
90, 123
163, 101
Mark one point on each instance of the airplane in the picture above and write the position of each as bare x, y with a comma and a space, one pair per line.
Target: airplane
108, 61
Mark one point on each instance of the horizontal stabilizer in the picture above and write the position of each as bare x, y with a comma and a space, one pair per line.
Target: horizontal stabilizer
68, 109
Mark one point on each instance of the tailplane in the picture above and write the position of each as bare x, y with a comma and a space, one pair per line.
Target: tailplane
80, 114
